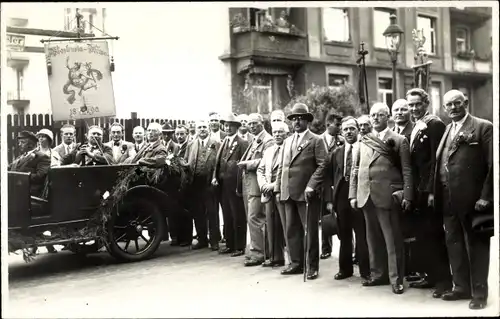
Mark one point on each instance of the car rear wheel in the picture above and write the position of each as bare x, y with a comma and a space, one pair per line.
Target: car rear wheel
135, 230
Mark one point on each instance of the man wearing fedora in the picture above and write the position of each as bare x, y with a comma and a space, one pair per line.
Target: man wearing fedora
463, 190
226, 176
31, 161
168, 134
250, 188
299, 182
338, 172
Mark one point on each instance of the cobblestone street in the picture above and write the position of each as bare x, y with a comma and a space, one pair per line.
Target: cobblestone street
180, 282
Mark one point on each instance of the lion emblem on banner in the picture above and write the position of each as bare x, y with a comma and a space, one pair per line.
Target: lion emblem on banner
81, 77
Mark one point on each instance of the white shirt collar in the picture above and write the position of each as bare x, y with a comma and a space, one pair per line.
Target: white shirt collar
461, 122
301, 136
258, 136
231, 139
381, 134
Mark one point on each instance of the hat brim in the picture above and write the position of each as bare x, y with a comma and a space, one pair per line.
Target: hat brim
230, 122
308, 116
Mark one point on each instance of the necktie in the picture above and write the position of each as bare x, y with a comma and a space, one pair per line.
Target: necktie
398, 130
294, 144
453, 130
348, 163
202, 144
276, 153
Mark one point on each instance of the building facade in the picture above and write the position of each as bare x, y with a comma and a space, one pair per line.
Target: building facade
277, 52
25, 78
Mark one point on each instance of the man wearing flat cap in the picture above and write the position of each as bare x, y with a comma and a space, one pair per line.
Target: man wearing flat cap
298, 184
226, 176
31, 161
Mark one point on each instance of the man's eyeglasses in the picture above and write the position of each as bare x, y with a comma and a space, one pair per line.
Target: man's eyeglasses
457, 103
374, 115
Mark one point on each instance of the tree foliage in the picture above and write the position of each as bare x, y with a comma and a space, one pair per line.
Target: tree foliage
342, 100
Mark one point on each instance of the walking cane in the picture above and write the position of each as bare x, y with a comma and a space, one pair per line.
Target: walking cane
306, 241
264, 229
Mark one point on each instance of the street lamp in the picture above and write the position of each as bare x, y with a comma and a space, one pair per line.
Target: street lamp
393, 35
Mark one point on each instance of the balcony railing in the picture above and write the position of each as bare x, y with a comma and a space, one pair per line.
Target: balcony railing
471, 65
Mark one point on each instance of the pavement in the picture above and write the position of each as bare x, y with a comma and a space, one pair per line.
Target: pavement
179, 282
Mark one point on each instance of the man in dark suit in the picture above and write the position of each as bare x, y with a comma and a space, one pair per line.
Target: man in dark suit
93, 153
427, 225
200, 156
332, 139
31, 161
383, 167
168, 133
154, 154
275, 210
256, 215
68, 144
226, 176
299, 182
338, 172
463, 188
401, 114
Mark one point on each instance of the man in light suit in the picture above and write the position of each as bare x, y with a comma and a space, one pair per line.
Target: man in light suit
383, 167
338, 172
256, 216
425, 223
226, 176
332, 139
463, 189
121, 149
138, 134
275, 210
68, 144
200, 156
298, 184
215, 123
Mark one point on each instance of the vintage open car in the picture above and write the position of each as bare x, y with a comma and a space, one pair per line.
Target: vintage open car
122, 208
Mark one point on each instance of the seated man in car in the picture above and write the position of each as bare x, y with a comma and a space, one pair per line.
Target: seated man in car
154, 154
93, 153
31, 161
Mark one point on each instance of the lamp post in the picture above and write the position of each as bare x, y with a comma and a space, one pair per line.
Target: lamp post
393, 35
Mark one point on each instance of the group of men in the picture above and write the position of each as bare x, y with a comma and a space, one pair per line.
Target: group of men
420, 182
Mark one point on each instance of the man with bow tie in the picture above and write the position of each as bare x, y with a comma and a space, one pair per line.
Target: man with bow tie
226, 176
463, 190
181, 135
138, 134
429, 249
267, 172
200, 156
382, 167
31, 161
332, 139
121, 149
93, 153
250, 188
298, 184
68, 135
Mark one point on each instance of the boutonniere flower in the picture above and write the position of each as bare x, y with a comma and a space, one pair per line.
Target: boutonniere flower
169, 158
420, 126
259, 141
390, 142
212, 146
464, 138
339, 143
232, 148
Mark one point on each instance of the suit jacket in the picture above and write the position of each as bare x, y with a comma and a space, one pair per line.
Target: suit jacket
305, 169
334, 174
406, 130
337, 141
267, 170
469, 163
254, 154
101, 158
377, 177
219, 135
121, 156
61, 150
192, 153
423, 153
170, 146
181, 149
36, 163
152, 155
226, 168
249, 137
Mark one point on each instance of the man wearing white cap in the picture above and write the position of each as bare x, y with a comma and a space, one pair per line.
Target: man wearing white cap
215, 132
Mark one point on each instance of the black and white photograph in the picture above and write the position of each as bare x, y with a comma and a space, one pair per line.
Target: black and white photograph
258, 159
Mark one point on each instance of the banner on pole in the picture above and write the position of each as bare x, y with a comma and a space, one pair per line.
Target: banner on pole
80, 82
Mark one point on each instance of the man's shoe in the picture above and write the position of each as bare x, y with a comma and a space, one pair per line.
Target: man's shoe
253, 262
277, 263
312, 274
222, 241
424, 284
238, 253
325, 255
341, 275
365, 277
225, 251
455, 295
477, 303
292, 270
413, 276
398, 289
375, 282
439, 292
214, 247
199, 245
